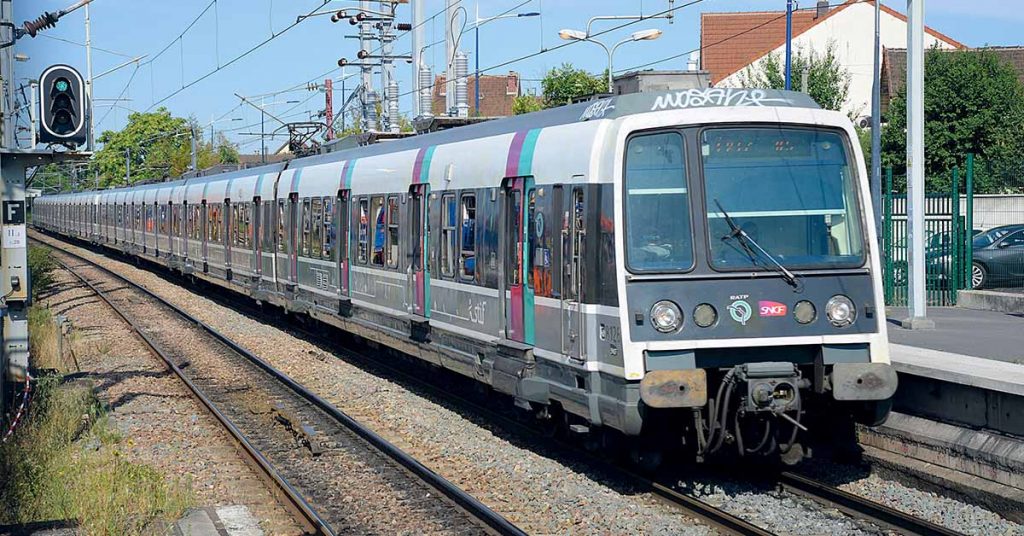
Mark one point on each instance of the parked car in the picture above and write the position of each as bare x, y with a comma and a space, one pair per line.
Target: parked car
999, 257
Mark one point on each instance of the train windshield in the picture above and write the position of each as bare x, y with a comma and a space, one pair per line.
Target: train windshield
792, 190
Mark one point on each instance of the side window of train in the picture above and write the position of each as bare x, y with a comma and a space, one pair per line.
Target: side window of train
282, 246
467, 232
328, 232
268, 226
448, 234
377, 210
317, 245
392, 238
364, 224
304, 237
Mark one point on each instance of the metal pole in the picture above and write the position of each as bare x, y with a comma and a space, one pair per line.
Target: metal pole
449, 59
195, 151
789, 44
91, 143
329, 105
970, 215
876, 121
32, 114
128, 165
956, 239
805, 74
263, 136
917, 318
476, 58
417, 55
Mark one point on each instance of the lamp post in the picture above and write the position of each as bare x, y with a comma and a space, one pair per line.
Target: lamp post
476, 55
642, 35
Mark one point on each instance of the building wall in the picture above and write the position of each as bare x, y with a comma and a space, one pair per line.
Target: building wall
852, 32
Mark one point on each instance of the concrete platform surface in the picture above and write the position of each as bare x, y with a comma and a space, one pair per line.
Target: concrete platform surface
984, 334
960, 369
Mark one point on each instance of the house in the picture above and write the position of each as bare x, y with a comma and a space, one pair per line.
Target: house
497, 93
894, 68
733, 42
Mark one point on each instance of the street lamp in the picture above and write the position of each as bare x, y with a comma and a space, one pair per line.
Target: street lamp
642, 35
476, 30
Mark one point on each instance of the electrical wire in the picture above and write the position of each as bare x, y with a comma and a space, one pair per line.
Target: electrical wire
238, 57
120, 95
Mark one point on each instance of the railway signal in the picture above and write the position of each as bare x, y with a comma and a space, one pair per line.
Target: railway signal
62, 106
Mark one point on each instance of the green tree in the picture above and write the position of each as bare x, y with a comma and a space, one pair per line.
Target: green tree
525, 104
565, 83
828, 82
157, 145
973, 103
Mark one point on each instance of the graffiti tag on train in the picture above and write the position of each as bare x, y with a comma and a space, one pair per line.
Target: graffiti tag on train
696, 98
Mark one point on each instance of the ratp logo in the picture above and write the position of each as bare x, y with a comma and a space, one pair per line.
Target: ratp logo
740, 311
771, 308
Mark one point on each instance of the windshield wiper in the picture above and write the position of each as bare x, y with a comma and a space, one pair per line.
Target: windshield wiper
744, 239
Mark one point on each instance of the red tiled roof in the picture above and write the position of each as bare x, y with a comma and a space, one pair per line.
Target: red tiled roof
731, 41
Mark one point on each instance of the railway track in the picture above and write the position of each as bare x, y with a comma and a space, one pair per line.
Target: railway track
888, 519
333, 473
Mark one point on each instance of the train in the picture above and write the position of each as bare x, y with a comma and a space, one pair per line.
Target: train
692, 271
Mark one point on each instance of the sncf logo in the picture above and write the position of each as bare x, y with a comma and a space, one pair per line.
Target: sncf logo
770, 308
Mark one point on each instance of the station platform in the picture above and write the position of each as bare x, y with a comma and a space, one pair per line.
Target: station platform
970, 332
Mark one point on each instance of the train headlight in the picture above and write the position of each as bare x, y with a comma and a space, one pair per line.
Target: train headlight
840, 311
705, 315
804, 312
666, 316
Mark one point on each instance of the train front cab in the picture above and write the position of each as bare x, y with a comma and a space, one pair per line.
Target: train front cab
749, 281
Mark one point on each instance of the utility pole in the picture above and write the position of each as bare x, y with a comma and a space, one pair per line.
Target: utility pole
32, 117
195, 149
789, 44
876, 128
450, 13
918, 317
417, 54
91, 143
329, 106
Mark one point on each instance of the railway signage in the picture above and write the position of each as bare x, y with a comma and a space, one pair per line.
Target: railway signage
14, 212
740, 311
771, 308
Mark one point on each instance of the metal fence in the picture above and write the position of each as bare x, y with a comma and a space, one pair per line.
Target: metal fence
971, 241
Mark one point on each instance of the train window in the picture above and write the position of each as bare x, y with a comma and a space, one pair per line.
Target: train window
175, 224
377, 209
392, 238
282, 245
316, 246
514, 273
658, 233
448, 234
467, 251
304, 238
791, 190
364, 222
329, 233
268, 227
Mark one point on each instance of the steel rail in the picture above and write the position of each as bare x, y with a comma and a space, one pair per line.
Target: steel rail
856, 506
294, 501
490, 519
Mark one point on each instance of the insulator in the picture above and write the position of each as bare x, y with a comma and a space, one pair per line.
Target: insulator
426, 95
461, 85
45, 21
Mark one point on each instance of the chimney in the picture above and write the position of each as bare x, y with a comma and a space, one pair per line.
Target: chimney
822, 9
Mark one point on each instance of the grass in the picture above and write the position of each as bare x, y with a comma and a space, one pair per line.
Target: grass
40, 269
67, 462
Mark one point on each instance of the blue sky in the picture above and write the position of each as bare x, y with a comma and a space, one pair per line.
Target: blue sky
311, 49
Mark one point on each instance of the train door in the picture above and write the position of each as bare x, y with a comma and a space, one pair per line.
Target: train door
287, 241
573, 236
255, 238
204, 233
419, 273
226, 227
343, 219
518, 291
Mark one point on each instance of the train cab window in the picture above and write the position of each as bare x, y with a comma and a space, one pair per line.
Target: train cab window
792, 191
329, 233
364, 223
377, 209
282, 227
392, 238
449, 234
317, 245
658, 232
467, 250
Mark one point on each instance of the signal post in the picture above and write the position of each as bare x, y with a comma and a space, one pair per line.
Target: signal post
63, 117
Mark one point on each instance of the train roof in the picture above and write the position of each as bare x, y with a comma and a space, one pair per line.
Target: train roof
605, 108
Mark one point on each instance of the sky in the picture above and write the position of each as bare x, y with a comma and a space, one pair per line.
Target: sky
125, 29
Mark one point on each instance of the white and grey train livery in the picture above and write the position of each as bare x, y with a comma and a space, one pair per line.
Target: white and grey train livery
695, 265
